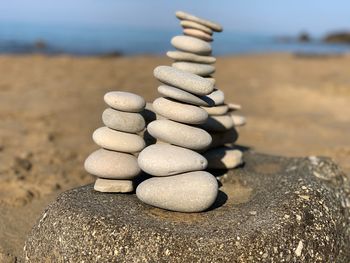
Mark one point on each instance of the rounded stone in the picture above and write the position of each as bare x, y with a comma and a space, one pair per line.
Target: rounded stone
195, 68
191, 44
124, 101
198, 34
180, 112
123, 121
223, 158
221, 138
186, 16
216, 110
113, 186
195, 25
166, 159
233, 106
211, 79
185, 56
183, 80
187, 192
180, 134
238, 120
218, 123
184, 96
217, 96
117, 140
112, 165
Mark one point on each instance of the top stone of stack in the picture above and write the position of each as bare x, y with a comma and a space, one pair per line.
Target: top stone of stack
186, 16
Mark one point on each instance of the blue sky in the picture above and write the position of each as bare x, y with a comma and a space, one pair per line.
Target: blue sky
264, 16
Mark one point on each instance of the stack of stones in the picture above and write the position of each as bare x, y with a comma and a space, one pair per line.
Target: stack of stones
221, 123
180, 182
115, 164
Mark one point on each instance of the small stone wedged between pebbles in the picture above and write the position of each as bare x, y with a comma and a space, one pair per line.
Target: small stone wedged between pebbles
185, 56
216, 110
180, 134
218, 123
166, 159
187, 192
124, 101
195, 25
117, 140
113, 186
191, 44
183, 80
180, 112
123, 121
198, 34
223, 158
186, 16
112, 165
217, 96
195, 68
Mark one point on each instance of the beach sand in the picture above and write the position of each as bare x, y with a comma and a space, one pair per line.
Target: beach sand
49, 107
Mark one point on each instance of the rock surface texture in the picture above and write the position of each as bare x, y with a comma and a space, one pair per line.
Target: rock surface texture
273, 209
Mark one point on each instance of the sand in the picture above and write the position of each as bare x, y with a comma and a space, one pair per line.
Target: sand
49, 107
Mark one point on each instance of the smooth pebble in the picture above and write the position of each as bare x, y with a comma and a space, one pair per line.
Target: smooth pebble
187, 192
124, 101
186, 16
180, 134
216, 110
233, 106
113, 186
217, 96
183, 80
238, 120
223, 158
117, 140
180, 112
198, 34
195, 68
185, 56
195, 25
166, 159
123, 121
218, 123
211, 79
191, 44
113, 165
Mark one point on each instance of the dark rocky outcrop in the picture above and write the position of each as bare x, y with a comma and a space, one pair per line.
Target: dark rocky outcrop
338, 37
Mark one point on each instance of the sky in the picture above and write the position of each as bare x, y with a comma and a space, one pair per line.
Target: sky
257, 16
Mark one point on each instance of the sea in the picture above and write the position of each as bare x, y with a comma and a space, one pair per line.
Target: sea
20, 38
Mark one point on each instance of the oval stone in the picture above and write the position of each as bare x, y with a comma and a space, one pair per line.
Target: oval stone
180, 112
216, 110
186, 16
112, 165
238, 120
166, 159
218, 123
113, 186
217, 96
191, 44
198, 34
195, 25
184, 96
224, 158
180, 134
187, 192
221, 138
211, 79
124, 101
185, 56
183, 80
123, 121
195, 68
117, 140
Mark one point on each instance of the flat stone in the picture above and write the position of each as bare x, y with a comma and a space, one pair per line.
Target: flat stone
234, 106
217, 96
112, 165
113, 186
166, 159
124, 101
188, 192
195, 25
117, 140
184, 96
216, 110
223, 158
198, 34
123, 121
186, 16
180, 134
264, 211
180, 112
238, 120
195, 68
222, 138
185, 56
191, 44
211, 79
183, 80
218, 123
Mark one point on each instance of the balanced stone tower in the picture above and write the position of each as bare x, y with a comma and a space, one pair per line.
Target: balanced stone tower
221, 122
114, 164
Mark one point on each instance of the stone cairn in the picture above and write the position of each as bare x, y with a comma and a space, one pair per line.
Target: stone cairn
114, 164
